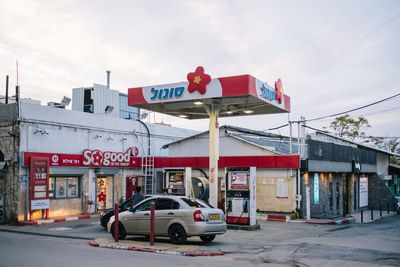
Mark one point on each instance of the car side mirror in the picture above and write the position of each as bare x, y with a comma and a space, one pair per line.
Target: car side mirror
132, 209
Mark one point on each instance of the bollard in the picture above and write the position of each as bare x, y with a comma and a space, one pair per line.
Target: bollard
116, 223
152, 224
388, 206
380, 210
362, 216
372, 214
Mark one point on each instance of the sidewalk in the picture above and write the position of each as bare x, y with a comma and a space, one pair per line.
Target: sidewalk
375, 216
290, 218
335, 220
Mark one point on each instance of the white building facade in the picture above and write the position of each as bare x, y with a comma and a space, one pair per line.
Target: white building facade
90, 159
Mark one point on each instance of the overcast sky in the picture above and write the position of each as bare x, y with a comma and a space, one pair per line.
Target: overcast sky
331, 56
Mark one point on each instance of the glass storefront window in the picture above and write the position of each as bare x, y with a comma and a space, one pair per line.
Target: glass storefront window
64, 187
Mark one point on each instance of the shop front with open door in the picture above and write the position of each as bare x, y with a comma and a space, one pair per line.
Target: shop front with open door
131, 184
105, 192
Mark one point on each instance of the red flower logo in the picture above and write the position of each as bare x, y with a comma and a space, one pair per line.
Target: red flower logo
97, 157
198, 80
278, 91
101, 197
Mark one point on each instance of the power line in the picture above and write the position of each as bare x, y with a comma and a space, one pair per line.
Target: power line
354, 109
276, 128
341, 113
381, 111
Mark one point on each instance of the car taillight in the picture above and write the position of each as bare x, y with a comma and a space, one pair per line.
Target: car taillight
198, 216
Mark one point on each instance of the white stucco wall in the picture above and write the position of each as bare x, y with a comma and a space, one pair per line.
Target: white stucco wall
51, 130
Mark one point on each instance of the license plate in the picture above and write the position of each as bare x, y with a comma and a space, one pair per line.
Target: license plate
215, 217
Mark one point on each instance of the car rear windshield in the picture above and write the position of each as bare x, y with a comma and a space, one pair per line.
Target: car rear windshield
193, 203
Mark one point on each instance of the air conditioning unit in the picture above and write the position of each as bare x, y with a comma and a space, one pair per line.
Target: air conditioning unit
55, 105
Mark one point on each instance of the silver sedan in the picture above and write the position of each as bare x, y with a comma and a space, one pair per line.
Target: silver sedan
175, 217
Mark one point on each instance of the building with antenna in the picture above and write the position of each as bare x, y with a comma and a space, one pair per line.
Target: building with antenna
59, 162
100, 99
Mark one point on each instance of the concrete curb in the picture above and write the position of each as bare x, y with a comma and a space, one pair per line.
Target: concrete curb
93, 243
346, 220
278, 218
275, 217
73, 218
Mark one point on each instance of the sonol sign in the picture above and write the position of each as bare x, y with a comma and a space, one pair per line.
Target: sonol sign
272, 94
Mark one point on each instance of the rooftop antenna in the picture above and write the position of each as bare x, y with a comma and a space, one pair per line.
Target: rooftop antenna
108, 78
17, 73
6, 89
17, 88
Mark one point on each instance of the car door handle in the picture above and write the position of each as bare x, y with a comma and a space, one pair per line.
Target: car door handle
170, 213
146, 214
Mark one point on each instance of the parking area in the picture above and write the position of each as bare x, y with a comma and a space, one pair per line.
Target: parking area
275, 242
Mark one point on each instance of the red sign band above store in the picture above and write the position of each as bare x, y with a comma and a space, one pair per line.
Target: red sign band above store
96, 158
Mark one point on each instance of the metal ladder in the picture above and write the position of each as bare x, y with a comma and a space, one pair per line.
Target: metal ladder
148, 173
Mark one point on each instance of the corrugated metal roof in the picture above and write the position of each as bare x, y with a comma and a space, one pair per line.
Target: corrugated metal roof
358, 144
273, 142
279, 146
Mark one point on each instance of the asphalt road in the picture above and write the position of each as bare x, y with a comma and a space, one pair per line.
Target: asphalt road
276, 244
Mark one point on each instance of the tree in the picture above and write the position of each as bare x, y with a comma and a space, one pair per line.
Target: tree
391, 144
347, 127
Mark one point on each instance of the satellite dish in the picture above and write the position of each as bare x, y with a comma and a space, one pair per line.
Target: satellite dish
144, 115
65, 101
109, 109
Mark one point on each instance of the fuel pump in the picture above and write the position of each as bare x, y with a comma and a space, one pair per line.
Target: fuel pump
175, 181
240, 195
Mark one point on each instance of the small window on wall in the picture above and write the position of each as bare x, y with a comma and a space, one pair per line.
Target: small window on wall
64, 187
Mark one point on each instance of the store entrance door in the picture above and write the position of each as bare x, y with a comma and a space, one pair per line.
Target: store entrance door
131, 184
104, 192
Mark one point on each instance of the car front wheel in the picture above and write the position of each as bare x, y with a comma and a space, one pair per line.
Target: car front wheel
121, 231
177, 234
207, 238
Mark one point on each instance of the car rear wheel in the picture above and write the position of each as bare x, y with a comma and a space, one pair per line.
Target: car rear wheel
121, 231
207, 238
177, 234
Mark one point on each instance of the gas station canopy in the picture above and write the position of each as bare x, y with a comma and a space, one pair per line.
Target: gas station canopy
234, 96
202, 97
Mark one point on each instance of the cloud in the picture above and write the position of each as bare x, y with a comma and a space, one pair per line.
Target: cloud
330, 56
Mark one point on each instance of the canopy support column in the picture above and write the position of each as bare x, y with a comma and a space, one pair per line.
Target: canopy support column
213, 112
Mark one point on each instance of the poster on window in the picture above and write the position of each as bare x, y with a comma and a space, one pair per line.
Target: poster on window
238, 180
363, 191
61, 188
175, 180
72, 187
282, 189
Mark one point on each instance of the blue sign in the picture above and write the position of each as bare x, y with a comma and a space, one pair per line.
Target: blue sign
316, 188
167, 93
268, 93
